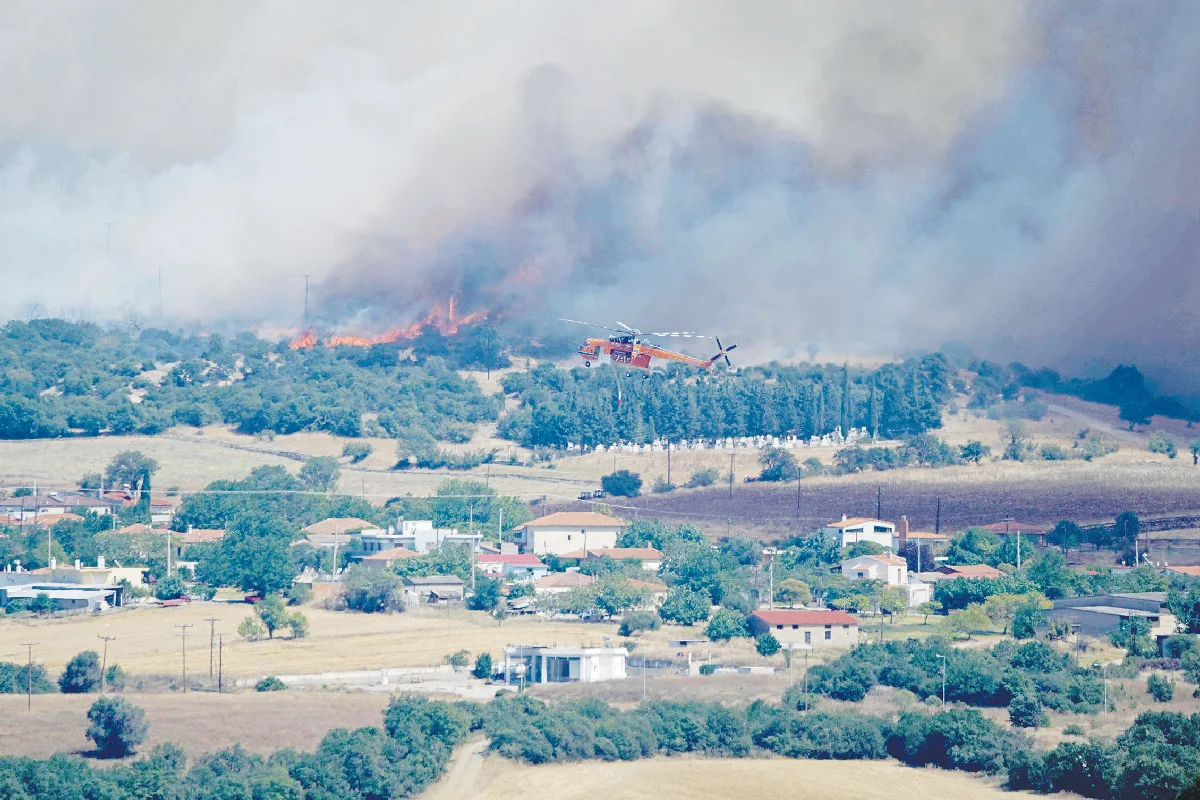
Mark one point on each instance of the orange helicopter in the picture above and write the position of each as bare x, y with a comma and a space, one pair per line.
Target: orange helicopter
628, 348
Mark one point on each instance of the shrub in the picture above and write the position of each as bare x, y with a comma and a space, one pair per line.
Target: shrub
622, 483
370, 590
1163, 443
1025, 711
766, 645
298, 624
116, 726
356, 451
705, 477
171, 587
483, 666
298, 594
251, 629
458, 659
1160, 688
1053, 452
636, 621
685, 606
660, 486
18, 678
270, 684
1074, 730
42, 603
114, 678
708, 669
82, 674
725, 625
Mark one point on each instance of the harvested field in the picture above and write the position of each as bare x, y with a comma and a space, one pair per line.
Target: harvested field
1031, 492
491, 778
340, 641
198, 722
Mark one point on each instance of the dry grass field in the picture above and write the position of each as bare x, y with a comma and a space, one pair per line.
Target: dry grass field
492, 778
340, 641
197, 722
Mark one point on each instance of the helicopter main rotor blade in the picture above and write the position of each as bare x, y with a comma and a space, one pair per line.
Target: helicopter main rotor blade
590, 324
679, 334
626, 327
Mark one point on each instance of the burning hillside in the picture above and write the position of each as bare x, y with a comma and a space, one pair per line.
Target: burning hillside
444, 319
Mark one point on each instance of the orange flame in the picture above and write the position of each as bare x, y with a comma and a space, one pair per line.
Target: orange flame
443, 319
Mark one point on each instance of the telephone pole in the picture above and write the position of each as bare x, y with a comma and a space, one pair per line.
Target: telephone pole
183, 634
104, 660
220, 660
212, 635
29, 675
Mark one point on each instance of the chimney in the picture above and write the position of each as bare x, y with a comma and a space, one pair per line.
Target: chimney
77, 565
843, 517
53, 562
902, 530
100, 562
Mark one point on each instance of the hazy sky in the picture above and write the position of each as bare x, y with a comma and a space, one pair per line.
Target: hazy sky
869, 176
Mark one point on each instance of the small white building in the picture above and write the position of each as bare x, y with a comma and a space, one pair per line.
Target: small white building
860, 529
561, 583
546, 664
520, 566
567, 531
890, 569
649, 558
803, 628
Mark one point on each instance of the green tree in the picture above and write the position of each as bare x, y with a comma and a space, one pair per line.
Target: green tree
297, 623
255, 556
483, 666
458, 659
1160, 688
791, 591
1126, 529
1026, 620
82, 674
975, 451
130, 468
251, 629
969, 620
1186, 608
684, 606
273, 612
1066, 535
622, 483
116, 726
1136, 412
766, 645
370, 590
320, 473
927, 608
1017, 440
170, 588
357, 451
892, 601
1025, 711
725, 625
42, 603
777, 464
616, 595
486, 595
1164, 443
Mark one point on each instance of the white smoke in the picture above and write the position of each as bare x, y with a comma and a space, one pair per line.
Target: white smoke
234, 146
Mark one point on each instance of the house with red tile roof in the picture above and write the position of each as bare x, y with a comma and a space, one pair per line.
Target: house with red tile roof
567, 531
524, 566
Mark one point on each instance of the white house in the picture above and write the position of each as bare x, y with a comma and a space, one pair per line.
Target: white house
545, 664
566, 531
561, 583
418, 536
860, 529
891, 570
803, 628
525, 566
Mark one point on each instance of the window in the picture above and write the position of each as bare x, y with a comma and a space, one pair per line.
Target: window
808, 637
847, 627
882, 529
795, 627
828, 634
778, 627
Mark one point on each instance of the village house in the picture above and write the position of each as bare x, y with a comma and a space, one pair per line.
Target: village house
804, 628
934, 541
970, 571
657, 590
648, 557
527, 664
432, 589
192, 536
1034, 533
382, 560
893, 571
338, 526
561, 582
569, 531
517, 566
162, 511
860, 529
417, 535
1103, 613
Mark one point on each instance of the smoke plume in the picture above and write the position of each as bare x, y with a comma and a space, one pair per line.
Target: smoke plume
860, 176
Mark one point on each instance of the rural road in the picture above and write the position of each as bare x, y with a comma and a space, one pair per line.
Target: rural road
1095, 422
462, 779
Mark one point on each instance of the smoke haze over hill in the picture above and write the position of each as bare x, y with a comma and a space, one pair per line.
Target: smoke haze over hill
868, 176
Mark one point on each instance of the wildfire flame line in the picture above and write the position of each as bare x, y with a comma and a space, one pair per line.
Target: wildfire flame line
444, 319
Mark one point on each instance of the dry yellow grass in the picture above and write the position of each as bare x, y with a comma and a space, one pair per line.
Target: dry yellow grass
492, 778
197, 722
340, 641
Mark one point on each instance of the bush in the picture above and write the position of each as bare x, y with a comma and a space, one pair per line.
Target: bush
298, 594
270, 684
116, 726
766, 645
622, 483
458, 659
635, 621
483, 666
17, 678
1163, 443
1053, 452
1074, 730
660, 486
298, 624
705, 477
371, 591
1025, 711
82, 674
251, 629
171, 587
725, 625
1160, 688
356, 451
114, 678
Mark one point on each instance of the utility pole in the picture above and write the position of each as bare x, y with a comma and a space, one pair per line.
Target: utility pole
212, 635
168, 552
732, 456
1105, 669
183, 634
220, 660
668, 462
878, 502
104, 660
937, 524
771, 579
798, 485
943, 660
29, 676
806, 680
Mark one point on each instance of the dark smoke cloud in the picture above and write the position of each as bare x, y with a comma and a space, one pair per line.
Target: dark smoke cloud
866, 176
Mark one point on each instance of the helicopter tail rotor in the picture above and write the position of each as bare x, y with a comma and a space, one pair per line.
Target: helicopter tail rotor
723, 352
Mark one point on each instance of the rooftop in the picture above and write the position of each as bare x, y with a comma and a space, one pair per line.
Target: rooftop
805, 616
200, 535
852, 521
1012, 526
971, 571
1193, 571
1115, 611
618, 553
393, 554
339, 525
652, 586
886, 558
564, 580
513, 559
938, 537
576, 519
434, 580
